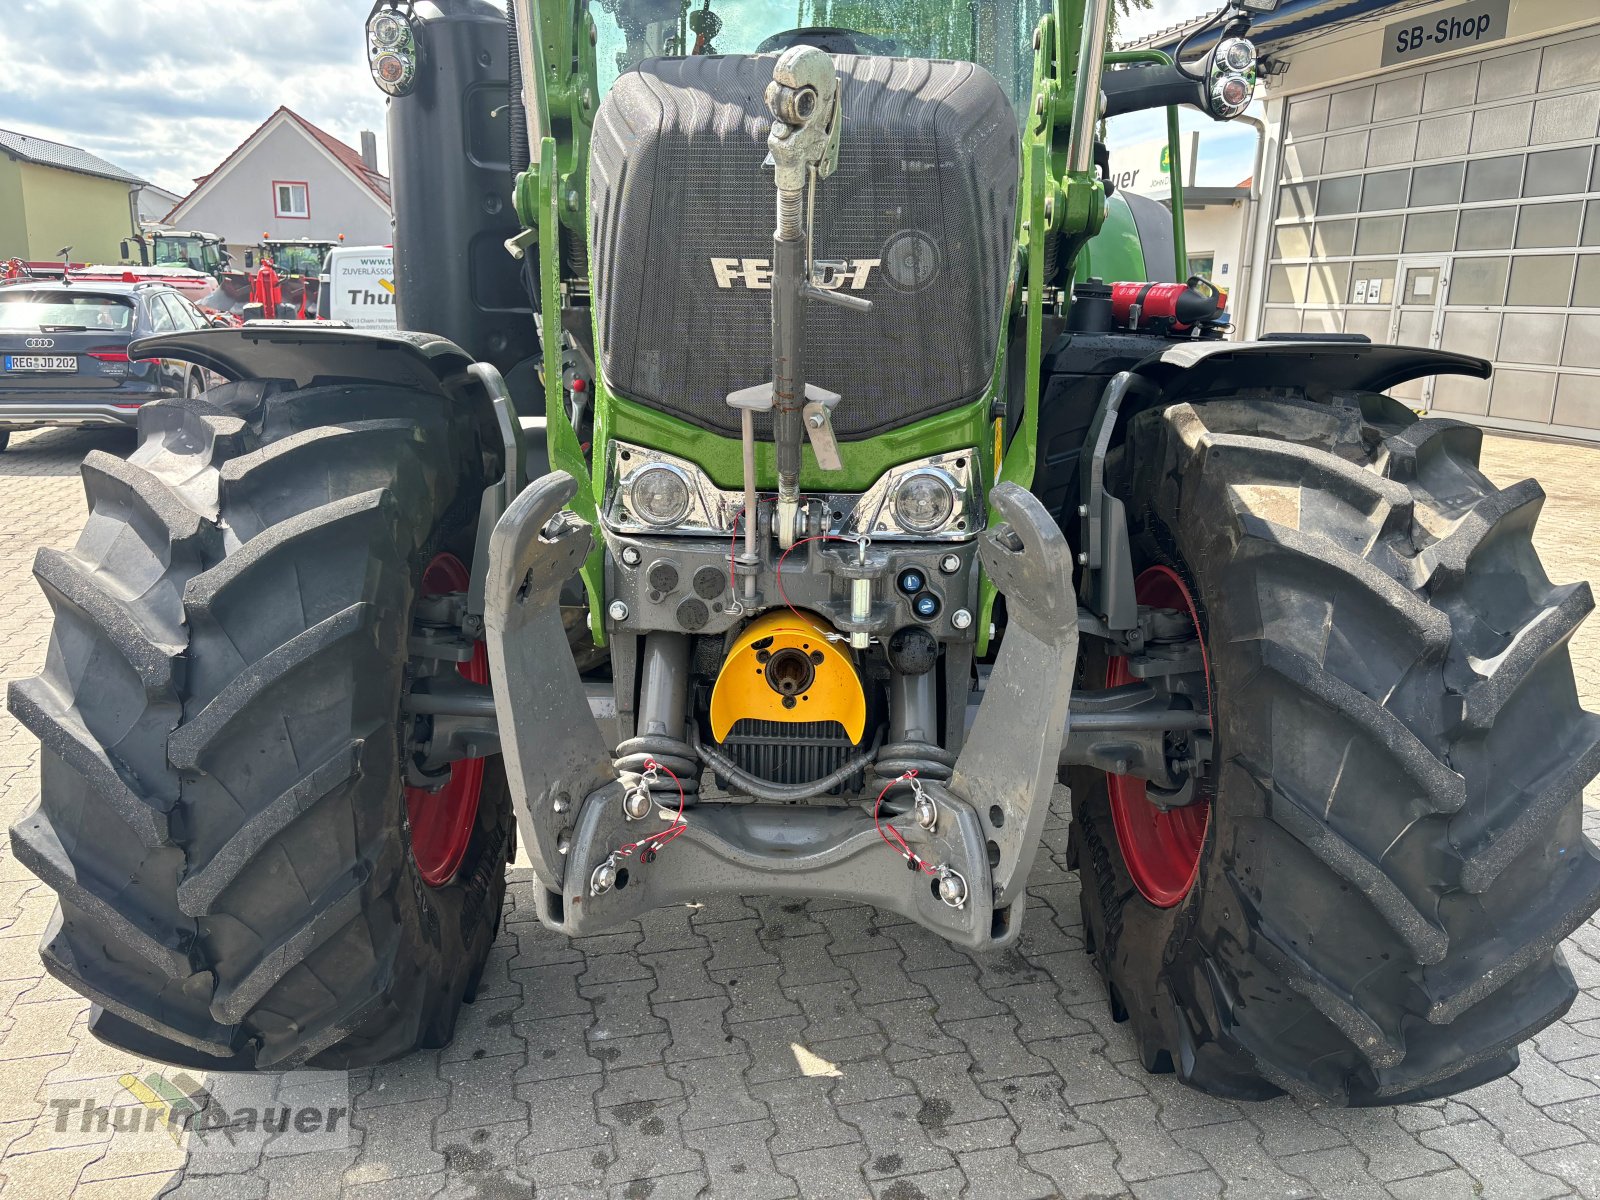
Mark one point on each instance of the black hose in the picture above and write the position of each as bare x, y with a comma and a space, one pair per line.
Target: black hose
520, 155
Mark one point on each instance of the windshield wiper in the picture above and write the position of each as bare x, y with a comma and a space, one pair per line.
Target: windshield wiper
63, 329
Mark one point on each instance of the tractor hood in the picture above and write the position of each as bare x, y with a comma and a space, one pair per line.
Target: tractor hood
919, 217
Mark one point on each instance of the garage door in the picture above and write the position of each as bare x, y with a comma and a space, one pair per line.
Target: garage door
1456, 206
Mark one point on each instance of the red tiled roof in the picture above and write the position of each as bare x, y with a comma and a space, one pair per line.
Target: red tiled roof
347, 155
348, 158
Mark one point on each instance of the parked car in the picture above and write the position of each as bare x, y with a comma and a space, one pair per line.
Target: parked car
64, 353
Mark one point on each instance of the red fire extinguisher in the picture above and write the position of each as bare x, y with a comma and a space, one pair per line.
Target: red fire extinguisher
1174, 307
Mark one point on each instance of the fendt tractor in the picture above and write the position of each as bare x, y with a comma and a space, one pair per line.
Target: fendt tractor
812, 462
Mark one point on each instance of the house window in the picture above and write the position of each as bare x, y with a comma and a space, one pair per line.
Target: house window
290, 199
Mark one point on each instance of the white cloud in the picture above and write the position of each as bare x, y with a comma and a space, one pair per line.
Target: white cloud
166, 88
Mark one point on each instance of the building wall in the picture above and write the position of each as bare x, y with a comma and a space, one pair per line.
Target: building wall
43, 209
13, 210
240, 206
1217, 231
1467, 189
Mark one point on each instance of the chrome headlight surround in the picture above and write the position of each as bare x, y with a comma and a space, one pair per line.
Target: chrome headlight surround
636, 480
393, 49
713, 511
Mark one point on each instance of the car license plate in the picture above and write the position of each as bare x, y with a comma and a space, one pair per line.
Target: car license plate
41, 362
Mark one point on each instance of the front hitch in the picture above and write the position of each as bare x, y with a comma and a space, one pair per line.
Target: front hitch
957, 862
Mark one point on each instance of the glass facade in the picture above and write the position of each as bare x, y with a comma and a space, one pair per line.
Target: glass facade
1455, 206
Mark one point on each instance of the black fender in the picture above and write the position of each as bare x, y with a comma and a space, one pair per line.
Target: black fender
1179, 372
311, 354
1189, 370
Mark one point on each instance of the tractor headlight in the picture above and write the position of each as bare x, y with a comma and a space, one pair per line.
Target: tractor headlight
392, 51
924, 501
1237, 54
387, 30
658, 495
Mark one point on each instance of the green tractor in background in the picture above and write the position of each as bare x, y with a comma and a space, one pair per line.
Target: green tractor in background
819, 462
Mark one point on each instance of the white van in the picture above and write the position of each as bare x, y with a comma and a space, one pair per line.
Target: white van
358, 287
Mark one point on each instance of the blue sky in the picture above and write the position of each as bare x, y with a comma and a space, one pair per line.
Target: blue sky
166, 88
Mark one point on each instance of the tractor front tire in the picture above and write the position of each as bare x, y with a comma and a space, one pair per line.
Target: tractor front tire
223, 812
1394, 850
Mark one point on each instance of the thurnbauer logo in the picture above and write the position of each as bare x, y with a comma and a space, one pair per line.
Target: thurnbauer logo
182, 1103
756, 273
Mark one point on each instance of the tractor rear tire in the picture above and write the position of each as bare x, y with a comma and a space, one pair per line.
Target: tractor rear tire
223, 811
1394, 850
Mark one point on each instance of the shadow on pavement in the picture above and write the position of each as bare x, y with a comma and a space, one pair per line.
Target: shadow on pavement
59, 451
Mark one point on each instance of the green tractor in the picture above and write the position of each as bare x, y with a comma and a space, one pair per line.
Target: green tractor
824, 463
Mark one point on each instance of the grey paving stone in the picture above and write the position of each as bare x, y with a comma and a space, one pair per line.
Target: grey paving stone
1523, 1128
397, 1140
934, 1185
623, 1009
770, 1045
1237, 1158
620, 1053
633, 1084
1081, 1171
1194, 1186
755, 994
1000, 1171
481, 1093
1044, 1120
836, 1173
897, 1144
686, 1185
736, 945
1453, 1184
948, 1090
1340, 1171
1088, 1075
738, 1159
717, 1091
557, 1049
1148, 1150
646, 1141
681, 974
698, 1028
803, 1115
956, 993
1391, 1151
912, 1031
1576, 1166
1476, 1148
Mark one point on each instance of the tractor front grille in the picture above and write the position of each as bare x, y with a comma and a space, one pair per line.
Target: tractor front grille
785, 753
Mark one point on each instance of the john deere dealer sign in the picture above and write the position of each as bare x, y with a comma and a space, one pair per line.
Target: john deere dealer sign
1464, 27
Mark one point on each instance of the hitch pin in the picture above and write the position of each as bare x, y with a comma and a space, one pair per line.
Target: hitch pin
922, 805
860, 598
638, 800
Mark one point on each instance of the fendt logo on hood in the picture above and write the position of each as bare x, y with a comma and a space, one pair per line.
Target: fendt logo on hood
756, 273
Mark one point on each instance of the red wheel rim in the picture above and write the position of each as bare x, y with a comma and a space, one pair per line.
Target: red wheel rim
442, 820
1161, 846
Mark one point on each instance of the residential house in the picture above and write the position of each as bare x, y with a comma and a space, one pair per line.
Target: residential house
53, 196
155, 203
290, 179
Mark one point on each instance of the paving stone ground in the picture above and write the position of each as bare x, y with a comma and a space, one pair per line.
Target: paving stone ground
661, 1061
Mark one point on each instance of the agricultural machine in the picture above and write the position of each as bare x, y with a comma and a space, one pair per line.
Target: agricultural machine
889, 473
288, 275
